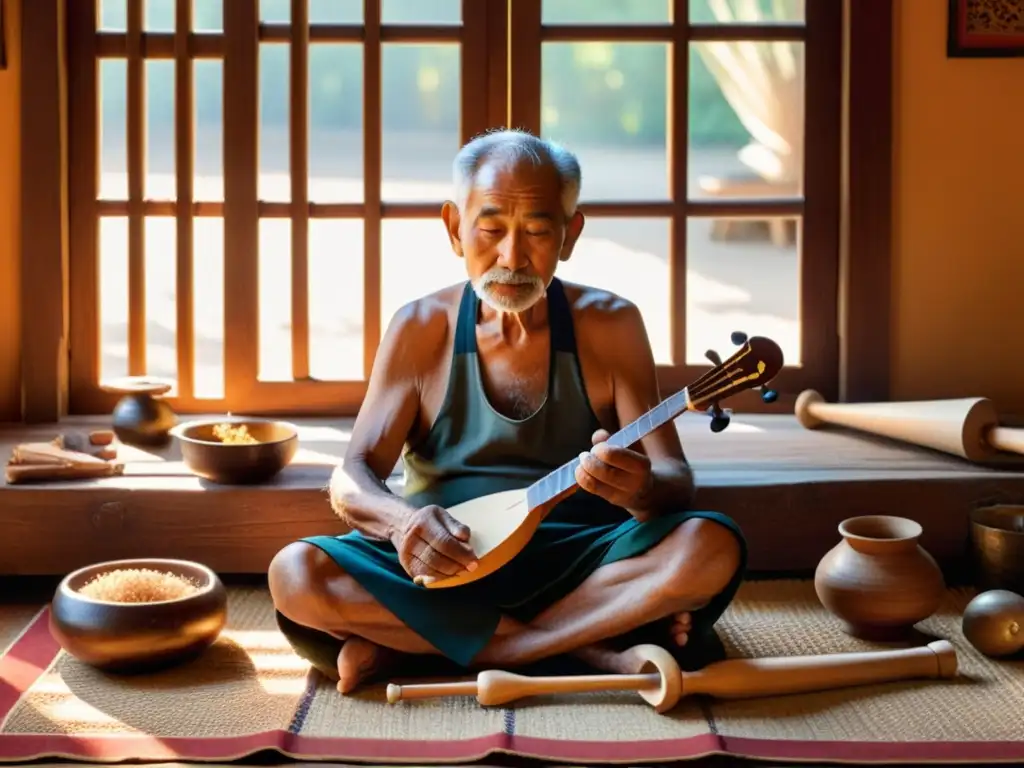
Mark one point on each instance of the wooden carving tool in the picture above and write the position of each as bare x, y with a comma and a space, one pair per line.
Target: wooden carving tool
502, 523
661, 683
969, 427
35, 462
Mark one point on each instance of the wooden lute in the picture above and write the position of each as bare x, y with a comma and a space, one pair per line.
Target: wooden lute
502, 523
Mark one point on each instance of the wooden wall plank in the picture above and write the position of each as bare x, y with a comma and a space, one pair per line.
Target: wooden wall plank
44, 208
865, 281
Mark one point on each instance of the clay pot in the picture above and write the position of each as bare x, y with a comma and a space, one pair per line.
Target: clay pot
138, 637
878, 581
140, 417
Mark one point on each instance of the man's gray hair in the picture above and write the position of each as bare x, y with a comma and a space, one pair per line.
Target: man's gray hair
506, 147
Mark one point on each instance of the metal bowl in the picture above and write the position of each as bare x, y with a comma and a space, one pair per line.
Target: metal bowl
237, 463
997, 547
138, 637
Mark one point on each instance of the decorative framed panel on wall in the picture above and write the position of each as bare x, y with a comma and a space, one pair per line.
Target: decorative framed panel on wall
985, 29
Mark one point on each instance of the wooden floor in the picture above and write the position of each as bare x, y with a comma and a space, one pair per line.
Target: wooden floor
787, 487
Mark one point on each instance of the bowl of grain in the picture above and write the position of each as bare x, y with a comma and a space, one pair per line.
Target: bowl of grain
130, 616
236, 451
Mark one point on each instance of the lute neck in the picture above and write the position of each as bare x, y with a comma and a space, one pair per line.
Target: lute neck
563, 480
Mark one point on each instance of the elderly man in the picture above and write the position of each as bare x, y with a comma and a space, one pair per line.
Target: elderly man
486, 386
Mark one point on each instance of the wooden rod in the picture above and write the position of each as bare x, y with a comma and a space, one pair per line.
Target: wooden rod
241, 206
678, 134
356, 33
473, 70
371, 183
652, 33
83, 174
299, 144
184, 170
160, 45
282, 210
524, 65
136, 192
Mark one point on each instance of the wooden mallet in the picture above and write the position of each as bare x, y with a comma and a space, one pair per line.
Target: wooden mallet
662, 684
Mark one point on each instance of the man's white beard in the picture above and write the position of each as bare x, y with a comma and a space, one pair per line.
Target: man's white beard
532, 290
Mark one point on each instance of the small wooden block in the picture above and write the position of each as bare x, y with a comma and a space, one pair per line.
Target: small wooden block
51, 454
82, 442
101, 436
34, 473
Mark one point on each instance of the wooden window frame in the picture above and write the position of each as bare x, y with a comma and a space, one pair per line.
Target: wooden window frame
817, 208
855, 344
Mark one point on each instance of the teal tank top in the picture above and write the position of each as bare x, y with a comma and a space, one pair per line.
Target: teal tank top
473, 450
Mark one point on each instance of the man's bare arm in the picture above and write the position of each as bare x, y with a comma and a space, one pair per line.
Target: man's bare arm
635, 390
358, 493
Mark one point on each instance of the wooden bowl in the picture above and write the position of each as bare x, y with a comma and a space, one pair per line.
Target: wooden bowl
237, 463
137, 637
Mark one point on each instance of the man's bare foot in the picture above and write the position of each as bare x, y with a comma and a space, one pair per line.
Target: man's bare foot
682, 623
358, 660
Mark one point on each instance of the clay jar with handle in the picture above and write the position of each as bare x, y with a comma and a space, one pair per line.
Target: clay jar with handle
878, 580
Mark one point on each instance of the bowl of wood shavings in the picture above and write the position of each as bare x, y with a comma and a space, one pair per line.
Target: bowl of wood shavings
130, 616
237, 451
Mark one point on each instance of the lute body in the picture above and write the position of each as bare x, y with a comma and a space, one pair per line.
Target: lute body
501, 524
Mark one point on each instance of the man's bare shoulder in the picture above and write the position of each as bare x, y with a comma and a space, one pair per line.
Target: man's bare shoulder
420, 329
603, 315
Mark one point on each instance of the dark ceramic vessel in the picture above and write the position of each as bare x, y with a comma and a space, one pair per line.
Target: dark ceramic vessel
131, 638
141, 417
237, 464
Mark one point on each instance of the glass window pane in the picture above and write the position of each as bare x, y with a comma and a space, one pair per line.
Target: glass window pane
208, 79
208, 306
275, 300
208, 15
420, 11
112, 300
746, 119
416, 259
335, 123
335, 11
747, 11
161, 243
608, 103
113, 16
742, 275
629, 256
158, 16
275, 127
336, 299
161, 179
113, 108
605, 11
275, 11
420, 120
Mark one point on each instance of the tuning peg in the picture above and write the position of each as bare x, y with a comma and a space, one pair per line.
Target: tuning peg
738, 338
719, 419
713, 356
769, 395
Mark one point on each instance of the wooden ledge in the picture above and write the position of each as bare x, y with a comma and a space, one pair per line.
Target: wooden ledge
787, 487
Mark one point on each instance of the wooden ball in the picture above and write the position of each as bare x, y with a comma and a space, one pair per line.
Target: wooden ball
993, 622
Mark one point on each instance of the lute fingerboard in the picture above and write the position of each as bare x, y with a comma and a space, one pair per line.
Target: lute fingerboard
754, 365
563, 479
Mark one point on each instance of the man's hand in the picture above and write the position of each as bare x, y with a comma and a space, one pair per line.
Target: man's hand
619, 475
432, 545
